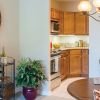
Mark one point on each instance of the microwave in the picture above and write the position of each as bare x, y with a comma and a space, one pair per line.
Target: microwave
54, 26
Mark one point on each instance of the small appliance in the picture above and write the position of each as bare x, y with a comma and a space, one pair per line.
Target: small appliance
55, 26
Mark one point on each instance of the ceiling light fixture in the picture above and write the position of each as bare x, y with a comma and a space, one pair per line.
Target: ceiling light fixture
85, 7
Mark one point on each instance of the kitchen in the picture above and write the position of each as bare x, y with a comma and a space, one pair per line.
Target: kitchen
69, 42
38, 45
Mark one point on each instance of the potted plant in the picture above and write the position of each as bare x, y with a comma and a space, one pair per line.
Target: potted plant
29, 75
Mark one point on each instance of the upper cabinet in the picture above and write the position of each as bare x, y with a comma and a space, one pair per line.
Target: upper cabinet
57, 16
54, 14
71, 22
75, 23
61, 22
68, 23
81, 24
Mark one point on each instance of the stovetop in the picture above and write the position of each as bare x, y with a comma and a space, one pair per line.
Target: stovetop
55, 52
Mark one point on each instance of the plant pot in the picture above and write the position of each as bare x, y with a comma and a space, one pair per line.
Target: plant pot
29, 93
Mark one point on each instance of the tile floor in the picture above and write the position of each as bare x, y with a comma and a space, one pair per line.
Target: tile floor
59, 93
62, 90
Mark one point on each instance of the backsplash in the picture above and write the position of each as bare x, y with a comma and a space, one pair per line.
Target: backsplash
70, 40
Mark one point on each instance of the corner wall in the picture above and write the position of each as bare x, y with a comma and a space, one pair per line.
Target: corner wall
94, 54
9, 29
34, 33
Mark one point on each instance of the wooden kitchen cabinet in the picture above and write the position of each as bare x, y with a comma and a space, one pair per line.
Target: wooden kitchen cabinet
79, 62
68, 22
76, 23
85, 62
75, 62
67, 70
81, 24
61, 22
66, 64
71, 22
54, 14
64, 68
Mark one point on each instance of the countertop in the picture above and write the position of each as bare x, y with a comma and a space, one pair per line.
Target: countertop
67, 48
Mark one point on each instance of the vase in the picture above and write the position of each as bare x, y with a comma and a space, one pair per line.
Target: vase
3, 60
29, 93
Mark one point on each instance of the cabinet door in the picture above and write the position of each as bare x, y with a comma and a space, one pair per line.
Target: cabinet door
85, 62
75, 65
81, 24
68, 22
54, 13
61, 22
62, 67
66, 66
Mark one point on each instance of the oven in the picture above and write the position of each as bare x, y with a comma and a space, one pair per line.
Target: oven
55, 71
54, 64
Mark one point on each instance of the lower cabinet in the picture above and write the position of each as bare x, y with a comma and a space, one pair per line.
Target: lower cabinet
74, 62
64, 67
75, 65
85, 62
79, 62
67, 71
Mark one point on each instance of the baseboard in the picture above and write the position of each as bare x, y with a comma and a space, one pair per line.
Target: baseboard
46, 93
17, 89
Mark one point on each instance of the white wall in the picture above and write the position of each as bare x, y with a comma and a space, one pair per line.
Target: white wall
33, 40
34, 32
9, 29
94, 54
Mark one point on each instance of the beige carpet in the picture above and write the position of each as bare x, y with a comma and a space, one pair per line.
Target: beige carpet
51, 98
